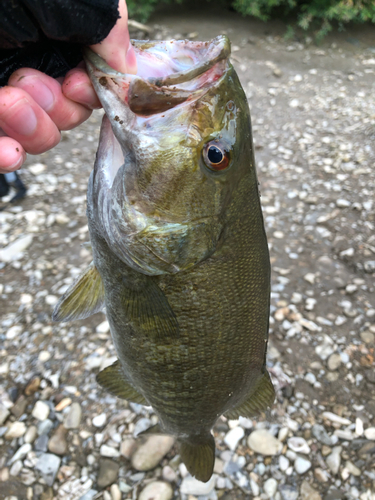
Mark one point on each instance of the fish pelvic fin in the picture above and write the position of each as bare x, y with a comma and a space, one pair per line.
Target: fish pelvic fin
114, 381
199, 456
148, 309
83, 298
261, 398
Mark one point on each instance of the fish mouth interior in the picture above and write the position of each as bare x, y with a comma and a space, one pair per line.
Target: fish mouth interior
169, 72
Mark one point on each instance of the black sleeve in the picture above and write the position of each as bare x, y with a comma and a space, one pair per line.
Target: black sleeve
47, 34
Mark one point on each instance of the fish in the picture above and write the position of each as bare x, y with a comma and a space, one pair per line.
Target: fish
180, 256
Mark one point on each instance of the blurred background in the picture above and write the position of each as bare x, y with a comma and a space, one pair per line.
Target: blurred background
309, 79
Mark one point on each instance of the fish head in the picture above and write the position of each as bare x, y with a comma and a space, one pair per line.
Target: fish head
175, 143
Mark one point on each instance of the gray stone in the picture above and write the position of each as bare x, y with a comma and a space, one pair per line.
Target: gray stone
108, 472
73, 417
261, 441
41, 444
270, 487
48, 466
302, 465
191, 486
319, 432
45, 426
157, 490
21, 453
288, 492
151, 451
369, 266
89, 495
334, 460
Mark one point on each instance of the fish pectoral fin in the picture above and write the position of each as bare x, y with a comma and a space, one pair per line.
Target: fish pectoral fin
261, 398
83, 298
148, 309
154, 429
114, 381
199, 456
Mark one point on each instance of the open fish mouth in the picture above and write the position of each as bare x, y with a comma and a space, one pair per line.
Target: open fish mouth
169, 72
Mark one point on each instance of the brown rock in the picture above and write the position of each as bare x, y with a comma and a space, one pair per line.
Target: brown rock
57, 444
128, 447
308, 492
108, 472
32, 386
151, 451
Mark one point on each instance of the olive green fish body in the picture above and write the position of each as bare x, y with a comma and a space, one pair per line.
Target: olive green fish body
180, 256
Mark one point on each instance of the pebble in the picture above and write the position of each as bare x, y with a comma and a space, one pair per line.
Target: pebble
263, 442
369, 266
13, 332
16, 468
270, 487
109, 451
191, 486
169, 474
333, 460
334, 361
157, 490
127, 447
48, 466
45, 426
115, 492
233, 437
352, 468
99, 420
21, 452
151, 451
307, 492
30, 434
283, 463
73, 417
4, 414
370, 433
358, 426
14, 250
108, 472
302, 465
15, 430
40, 411
335, 418
367, 337
321, 475
57, 444
288, 492
103, 327
299, 445
319, 432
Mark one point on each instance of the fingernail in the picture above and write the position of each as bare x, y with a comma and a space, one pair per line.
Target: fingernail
43, 96
21, 118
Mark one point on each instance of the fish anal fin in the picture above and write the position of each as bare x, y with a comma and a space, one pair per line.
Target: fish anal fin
114, 381
148, 309
83, 298
261, 398
199, 456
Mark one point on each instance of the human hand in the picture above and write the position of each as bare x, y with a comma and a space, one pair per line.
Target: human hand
34, 107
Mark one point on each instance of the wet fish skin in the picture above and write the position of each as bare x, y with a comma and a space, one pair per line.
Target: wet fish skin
181, 258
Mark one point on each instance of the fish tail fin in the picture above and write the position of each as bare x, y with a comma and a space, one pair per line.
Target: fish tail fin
199, 456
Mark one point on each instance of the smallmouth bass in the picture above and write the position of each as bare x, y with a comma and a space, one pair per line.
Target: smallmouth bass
180, 256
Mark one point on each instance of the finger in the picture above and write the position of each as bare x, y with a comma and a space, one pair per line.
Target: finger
115, 49
47, 92
12, 155
22, 119
77, 87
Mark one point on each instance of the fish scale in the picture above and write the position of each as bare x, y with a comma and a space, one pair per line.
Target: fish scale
180, 256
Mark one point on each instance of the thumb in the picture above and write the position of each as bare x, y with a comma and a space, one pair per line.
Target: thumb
116, 49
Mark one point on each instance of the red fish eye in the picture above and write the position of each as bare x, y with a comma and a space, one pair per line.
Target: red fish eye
216, 156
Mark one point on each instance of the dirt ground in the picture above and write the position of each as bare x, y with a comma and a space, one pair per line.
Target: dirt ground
313, 116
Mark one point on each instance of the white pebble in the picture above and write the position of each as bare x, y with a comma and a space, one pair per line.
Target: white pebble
270, 487
40, 411
103, 327
370, 433
299, 445
233, 437
302, 465
99, 420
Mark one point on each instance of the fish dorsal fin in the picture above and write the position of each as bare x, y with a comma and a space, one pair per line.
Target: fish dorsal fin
148, 309
199, 456
114, 381
83, 298
261, 398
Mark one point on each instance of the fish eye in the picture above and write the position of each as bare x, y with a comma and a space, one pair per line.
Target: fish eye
216, 155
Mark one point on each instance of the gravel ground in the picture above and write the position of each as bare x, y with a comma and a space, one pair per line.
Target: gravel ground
62, 437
